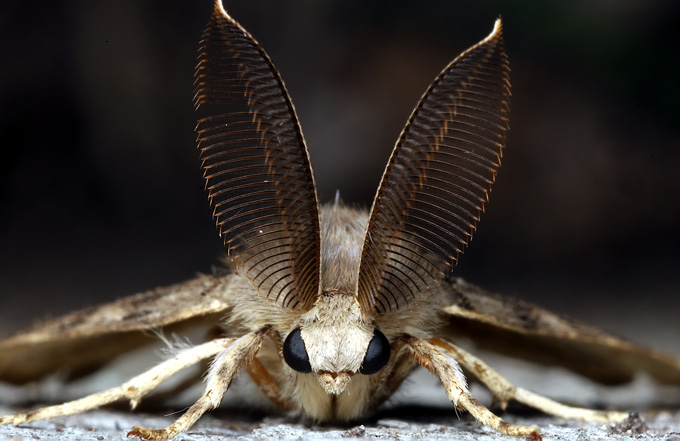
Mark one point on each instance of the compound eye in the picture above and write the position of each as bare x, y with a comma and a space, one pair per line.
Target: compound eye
295, 354
377, 355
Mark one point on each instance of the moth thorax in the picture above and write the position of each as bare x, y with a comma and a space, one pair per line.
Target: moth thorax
343, 232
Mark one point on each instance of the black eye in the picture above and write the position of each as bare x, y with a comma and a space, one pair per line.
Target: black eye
295, 354
377, 355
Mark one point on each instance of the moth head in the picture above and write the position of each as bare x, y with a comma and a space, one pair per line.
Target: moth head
336, 344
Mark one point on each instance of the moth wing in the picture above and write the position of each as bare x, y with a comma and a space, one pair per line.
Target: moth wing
523, 330
84, 340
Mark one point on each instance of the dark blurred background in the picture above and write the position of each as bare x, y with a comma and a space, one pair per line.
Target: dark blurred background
101, 192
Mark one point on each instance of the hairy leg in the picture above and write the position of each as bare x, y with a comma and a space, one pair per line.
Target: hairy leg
391, 379
504, 391
445, 367
134, 389
226, 365
266, 383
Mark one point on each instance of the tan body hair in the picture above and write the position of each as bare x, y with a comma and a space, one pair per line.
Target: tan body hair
335, 330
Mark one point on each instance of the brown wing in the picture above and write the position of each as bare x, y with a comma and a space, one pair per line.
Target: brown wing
256, 165
523, 330
86, 339
438, 179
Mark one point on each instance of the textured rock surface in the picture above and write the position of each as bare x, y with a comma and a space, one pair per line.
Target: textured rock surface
420, 411
421, 424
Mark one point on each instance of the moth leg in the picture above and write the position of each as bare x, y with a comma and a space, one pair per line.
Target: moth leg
392, 379
504, 391
134, 389
447, 370
266, 383
226, 365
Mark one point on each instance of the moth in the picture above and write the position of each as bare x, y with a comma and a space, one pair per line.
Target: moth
328, 308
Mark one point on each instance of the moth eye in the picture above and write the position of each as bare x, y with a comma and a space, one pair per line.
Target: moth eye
295, 354
377, 355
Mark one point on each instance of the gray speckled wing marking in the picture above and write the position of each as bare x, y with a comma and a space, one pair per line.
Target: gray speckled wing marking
85, 339
524, 330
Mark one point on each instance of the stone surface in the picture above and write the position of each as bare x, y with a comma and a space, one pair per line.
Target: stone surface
419, 411
407, 424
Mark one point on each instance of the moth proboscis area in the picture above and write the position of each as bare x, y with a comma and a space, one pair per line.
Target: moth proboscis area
329, 308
